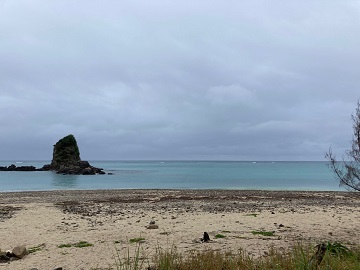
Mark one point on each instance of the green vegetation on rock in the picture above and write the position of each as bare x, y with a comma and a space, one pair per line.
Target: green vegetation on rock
66, 151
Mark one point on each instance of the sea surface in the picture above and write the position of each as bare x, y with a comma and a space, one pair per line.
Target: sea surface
178, 175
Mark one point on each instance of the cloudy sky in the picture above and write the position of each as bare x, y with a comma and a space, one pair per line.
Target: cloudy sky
202, 80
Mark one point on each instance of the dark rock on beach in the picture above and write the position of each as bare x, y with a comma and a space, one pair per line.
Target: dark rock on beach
152, 225
17, 253
66, 159
3, 257
206, 237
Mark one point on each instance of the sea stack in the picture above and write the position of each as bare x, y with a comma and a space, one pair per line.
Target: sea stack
66, 159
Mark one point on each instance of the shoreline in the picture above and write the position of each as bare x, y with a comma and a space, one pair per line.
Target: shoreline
108, 219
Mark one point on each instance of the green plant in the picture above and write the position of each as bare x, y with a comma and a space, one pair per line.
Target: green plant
220, 236
294, 258
36, 248
263, 233
347, 171
166, 259
338, 249
252, 215
80, 244
129, 262
64, 245
136, 240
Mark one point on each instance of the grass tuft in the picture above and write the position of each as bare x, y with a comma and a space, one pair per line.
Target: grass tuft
136, 240
36, 248
252, 215
263, 233
295, 258
338, 249
129, 262
64, 245
80, 244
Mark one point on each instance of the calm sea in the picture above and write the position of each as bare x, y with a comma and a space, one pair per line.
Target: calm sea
178, 175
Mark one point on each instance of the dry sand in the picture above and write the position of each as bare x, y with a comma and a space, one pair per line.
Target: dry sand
108, 219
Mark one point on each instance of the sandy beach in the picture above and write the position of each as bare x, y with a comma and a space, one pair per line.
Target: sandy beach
109, 219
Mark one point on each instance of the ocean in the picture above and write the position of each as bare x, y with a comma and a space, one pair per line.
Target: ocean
306, 176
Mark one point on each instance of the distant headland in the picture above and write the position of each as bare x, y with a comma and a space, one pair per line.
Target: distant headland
65, 160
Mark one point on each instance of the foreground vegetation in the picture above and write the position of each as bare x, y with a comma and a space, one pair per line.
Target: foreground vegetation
335, 256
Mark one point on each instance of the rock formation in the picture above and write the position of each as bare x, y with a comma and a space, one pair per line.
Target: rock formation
66, 152
66, 159
13, 167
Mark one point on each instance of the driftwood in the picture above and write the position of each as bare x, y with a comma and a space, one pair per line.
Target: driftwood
317, 258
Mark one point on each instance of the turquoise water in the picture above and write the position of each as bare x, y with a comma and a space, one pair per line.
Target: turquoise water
178, 175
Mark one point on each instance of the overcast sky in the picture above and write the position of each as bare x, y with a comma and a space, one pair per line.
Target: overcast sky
208, 80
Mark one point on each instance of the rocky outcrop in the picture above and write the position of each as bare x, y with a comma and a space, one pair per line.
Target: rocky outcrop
13, 167
66, 153
66, 159
80, 167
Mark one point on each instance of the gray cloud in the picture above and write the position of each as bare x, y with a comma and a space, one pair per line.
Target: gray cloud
178, 80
